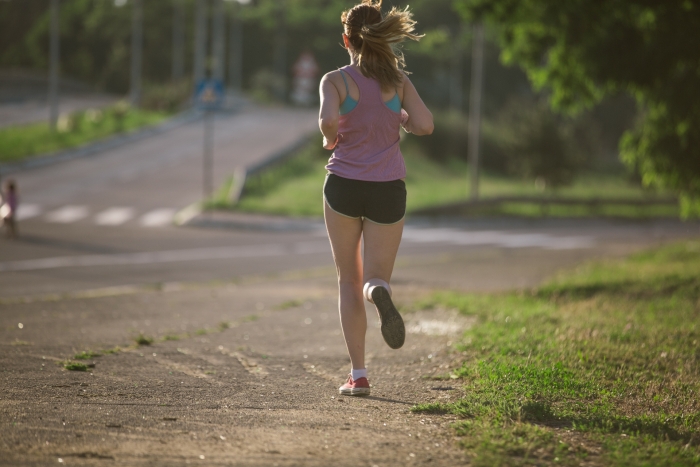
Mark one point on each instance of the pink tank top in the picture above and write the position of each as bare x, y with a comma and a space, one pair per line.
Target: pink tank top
369, 146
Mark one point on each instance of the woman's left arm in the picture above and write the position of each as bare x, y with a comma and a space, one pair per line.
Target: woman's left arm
330, 112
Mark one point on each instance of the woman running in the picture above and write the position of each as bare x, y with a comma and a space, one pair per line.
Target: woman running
362, 107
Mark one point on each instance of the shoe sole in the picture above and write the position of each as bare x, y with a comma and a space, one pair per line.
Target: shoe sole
393, 329
354, 392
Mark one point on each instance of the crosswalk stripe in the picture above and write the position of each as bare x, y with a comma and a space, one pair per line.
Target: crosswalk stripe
157, 218
114, 216
27, 211
164, 216
67, 214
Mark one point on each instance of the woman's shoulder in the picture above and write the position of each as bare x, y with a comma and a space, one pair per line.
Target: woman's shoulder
331, 74
335, 78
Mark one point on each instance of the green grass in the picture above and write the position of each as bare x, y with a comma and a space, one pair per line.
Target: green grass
142, 340
86, 355
76, 129
73, 366
599, 363
294, 188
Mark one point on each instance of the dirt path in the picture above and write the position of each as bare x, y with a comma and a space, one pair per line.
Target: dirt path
261, 392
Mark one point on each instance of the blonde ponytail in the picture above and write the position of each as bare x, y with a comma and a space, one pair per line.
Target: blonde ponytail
375, 39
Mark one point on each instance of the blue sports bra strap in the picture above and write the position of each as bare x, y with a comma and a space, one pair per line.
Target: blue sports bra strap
347, 89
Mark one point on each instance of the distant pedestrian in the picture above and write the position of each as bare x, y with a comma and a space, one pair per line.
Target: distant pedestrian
363, 106
9, 209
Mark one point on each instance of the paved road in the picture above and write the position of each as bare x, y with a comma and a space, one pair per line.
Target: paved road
146, 182
55, 258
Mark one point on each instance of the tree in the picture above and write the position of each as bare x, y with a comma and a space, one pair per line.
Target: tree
582, 50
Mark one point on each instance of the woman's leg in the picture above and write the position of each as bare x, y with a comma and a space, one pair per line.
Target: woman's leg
381, 245
345, 234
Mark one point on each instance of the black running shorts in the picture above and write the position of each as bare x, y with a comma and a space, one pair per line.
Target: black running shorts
380, 202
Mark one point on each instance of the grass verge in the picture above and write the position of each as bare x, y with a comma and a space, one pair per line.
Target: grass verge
294, 187
75, 129
601, 364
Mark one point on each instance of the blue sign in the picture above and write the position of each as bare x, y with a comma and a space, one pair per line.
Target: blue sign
209, 94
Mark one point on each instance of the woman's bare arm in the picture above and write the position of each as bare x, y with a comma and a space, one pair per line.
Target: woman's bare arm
420, 119
330, 112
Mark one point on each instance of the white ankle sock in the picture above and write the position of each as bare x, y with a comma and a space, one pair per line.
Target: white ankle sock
371, 284
357, 374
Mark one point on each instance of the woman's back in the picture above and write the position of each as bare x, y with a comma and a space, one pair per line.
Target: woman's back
369, 146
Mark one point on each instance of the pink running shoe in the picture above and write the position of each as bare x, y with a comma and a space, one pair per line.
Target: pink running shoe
358, 387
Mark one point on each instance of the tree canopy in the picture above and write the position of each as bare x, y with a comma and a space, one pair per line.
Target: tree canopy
580, 51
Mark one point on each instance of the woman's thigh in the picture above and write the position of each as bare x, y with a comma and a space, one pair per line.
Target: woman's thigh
381, 243
345, 234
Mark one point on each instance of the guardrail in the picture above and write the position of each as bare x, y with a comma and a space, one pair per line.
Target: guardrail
241, 174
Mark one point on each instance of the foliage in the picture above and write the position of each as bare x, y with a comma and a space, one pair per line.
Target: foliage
75, 129
94, 42
539, 145
608, 352
168, 97
582, 51
448, 140
294, 188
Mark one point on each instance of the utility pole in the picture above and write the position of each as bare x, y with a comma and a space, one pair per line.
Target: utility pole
218, 40
178, 63
200, 40
280, 57
235, 50
54, 59
475, 108
208, 156
136, 51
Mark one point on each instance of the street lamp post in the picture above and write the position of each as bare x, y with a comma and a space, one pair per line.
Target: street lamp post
235, 50
54, 58
136, 51
280, 53
200, 40
475, 108
235, 46
178, 63
218, 39
456, 70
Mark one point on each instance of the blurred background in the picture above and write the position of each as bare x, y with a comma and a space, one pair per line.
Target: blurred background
131, 113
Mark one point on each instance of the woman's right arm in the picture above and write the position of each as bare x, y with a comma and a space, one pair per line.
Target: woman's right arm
329, 113
420, 120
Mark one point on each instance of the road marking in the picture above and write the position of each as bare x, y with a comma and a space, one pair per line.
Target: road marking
494, 237
27, 211
67, 214
157, 218
114, 216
